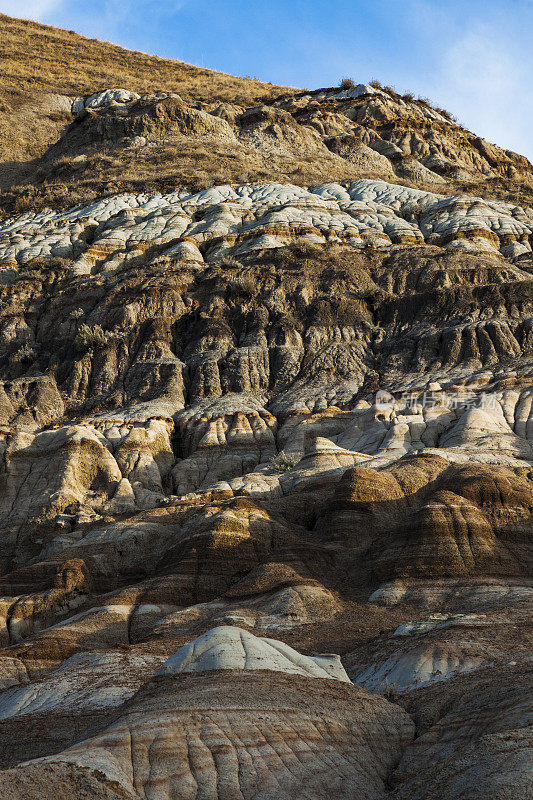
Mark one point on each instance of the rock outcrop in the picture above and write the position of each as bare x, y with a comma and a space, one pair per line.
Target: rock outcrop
248, 736
231, 648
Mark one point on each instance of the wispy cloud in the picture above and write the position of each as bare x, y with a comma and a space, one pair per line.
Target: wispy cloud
31, 9
488, 80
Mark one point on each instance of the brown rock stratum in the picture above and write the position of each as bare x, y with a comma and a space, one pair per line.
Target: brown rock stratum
266, 433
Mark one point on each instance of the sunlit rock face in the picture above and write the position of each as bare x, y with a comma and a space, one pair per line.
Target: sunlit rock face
266, 474
240, 220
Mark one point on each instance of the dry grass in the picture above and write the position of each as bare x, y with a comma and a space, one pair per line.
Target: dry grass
64, 62
95, 157
37, 60
76, 171
410, 98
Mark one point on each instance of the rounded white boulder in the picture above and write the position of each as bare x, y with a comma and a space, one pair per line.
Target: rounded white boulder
230, 648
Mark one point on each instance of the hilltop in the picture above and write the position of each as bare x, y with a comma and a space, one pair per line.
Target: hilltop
41, 64
191, 127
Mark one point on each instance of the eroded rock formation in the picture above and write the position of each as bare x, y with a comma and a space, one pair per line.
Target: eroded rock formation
266, 475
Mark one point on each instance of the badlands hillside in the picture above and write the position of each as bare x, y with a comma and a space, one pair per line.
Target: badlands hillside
266, 417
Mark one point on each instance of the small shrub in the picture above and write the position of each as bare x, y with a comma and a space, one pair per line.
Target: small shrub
24, 353
445, 114
342, 311
94, 337
60, 116
63, 166
284, 462
57, 262
242, 285
305, 248
77, 313
230, 262
302, 249
298, 254
408, 97
347, 83
375, 84
413, 211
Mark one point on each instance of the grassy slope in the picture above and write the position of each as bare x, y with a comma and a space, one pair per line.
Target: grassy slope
37, 59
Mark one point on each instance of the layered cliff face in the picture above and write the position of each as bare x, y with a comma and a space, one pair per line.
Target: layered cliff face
266, 417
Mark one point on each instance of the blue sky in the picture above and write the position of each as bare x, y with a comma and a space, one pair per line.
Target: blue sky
473, 58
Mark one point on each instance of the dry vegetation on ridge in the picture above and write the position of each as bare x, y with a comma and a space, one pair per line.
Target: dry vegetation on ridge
65, 63
196, 128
